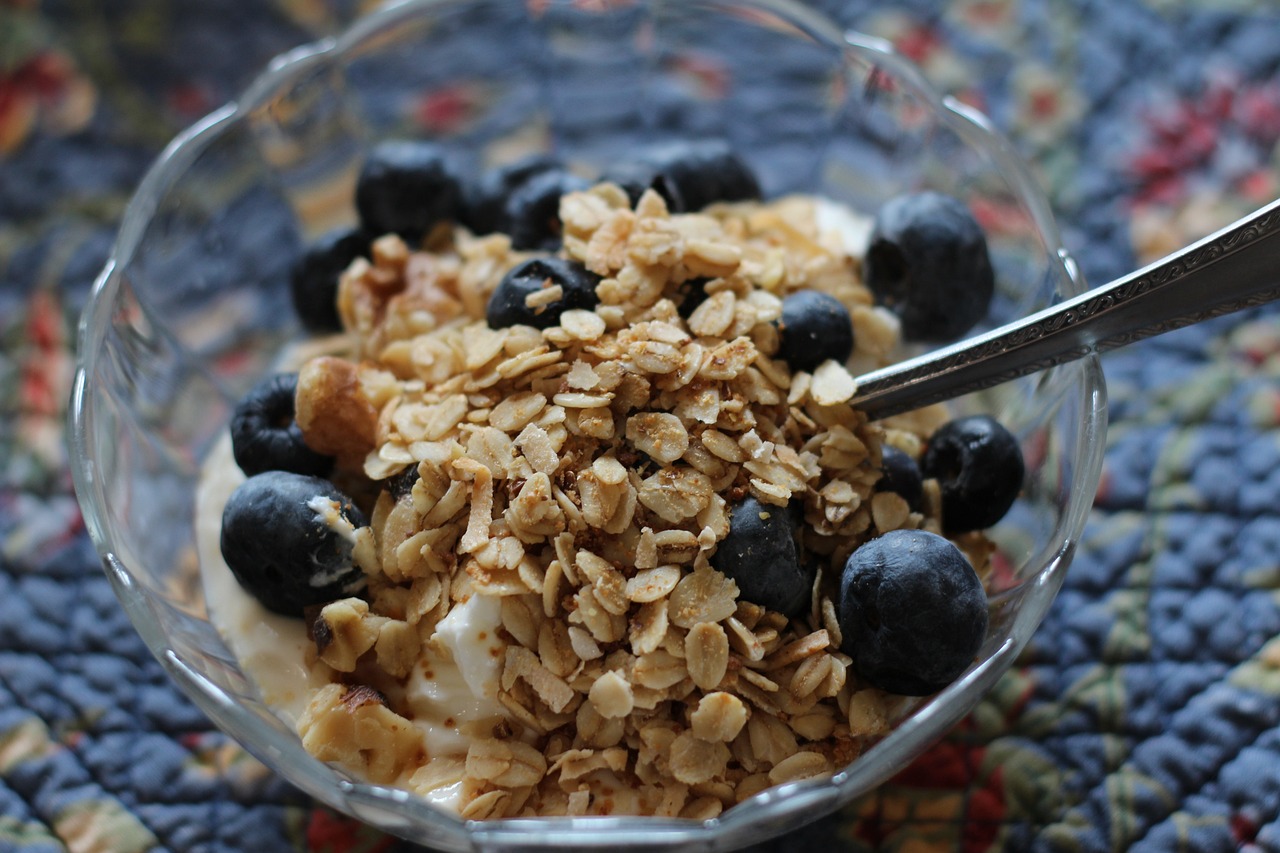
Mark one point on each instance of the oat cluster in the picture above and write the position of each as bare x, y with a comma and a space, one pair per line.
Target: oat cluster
582, 476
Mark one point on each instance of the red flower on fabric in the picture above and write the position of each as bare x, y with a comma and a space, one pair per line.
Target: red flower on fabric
447, 109
918, 43
1244, 828
948, 790
710, 77
45, 368
1185, 139
331, 833
190, 100
43, 84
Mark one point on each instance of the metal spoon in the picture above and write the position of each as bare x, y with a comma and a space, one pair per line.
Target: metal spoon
1236, 268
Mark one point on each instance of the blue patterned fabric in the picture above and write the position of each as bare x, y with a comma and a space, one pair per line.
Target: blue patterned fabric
1145, 715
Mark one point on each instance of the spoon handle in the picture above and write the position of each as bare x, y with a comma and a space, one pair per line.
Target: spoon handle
1235, 268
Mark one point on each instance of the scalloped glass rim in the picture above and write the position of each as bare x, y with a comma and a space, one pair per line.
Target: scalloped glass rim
765, 815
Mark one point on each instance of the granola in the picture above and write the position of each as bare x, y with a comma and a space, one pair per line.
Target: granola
574, 483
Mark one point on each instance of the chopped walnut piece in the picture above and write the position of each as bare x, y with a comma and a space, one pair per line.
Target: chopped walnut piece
354, 728
344, 631
332, 411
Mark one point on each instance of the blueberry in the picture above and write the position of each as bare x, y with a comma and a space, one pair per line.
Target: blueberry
400, 485
288, 540
912, 612
532, 212
900, 474
634, 177
314, 279
927, 261
979, 467
814, 327
689, 175
406, 188
689, 295
484, 202
264, 435
761, 557
508, 306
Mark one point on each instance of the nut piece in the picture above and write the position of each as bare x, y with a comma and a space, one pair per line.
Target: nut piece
332, 411
344, 631
353, 727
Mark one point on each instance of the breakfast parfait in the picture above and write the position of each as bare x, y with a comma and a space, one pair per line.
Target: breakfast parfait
572, 515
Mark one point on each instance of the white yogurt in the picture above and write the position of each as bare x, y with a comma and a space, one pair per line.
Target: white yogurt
271, 649
852, 230
454, 683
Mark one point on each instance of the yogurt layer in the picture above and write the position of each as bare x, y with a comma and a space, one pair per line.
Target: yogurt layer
277, 656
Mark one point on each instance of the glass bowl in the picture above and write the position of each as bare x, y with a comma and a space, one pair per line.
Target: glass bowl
193, 307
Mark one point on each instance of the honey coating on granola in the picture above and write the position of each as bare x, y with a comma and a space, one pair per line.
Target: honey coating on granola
580, 477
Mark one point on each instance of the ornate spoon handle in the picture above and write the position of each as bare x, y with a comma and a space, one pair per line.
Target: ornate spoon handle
1235, 268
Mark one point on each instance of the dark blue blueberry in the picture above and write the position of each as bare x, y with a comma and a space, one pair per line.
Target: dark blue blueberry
532, 212
689, 295
314, 280
761, 557
264, 435
689, 175
814, 327
400, 485
978, 465
508, 305
927, 262
900, 474
485, 200
287, 539
406, 187
634, 177
912, 612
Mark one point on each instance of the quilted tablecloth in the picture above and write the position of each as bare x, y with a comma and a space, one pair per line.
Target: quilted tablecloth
1145, 715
